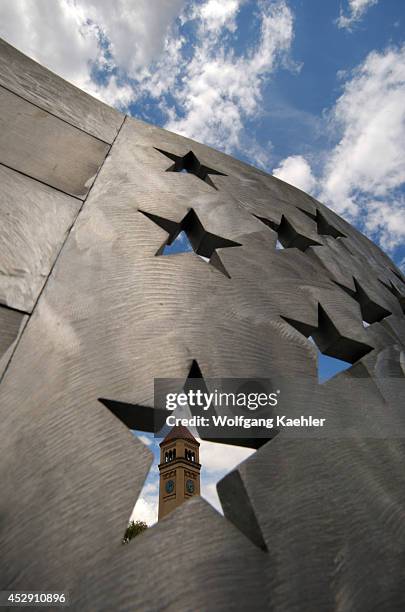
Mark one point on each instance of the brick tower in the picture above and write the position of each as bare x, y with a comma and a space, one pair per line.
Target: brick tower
179, 469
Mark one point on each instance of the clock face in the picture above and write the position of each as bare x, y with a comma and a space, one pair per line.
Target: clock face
169, 486
190, 486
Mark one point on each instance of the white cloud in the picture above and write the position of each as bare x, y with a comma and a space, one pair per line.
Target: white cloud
161, 77
296, 171
366, 168
209, 492
357, 9
65, 35
217, 14
361, 177
137, 29
146, 506
371, 114
222, 458
219, 90
53, 33
146, 439
145, 509
387, 221
113, 93
218, 460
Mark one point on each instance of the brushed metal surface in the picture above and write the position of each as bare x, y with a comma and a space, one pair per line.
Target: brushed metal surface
34, 221
38, 144
196, 561
11, 324
42, 87
113, 316
331, 514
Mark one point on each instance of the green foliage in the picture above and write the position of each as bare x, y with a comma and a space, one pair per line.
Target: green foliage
134, 528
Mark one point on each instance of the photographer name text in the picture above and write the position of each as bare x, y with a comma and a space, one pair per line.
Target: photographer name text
241, 421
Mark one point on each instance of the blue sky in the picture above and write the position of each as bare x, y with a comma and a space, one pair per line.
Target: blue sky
312, 91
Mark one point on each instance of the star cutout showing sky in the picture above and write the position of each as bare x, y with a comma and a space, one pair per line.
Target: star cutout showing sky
329, 339
324, 228
190, 164
288, 236
370, 310
203, 243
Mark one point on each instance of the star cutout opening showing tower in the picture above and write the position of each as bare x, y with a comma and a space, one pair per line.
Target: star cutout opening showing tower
288, 236
202, 242
234, 448
190, 164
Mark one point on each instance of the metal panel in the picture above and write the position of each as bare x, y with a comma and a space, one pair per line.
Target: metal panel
11, 324
42, 87
223, 572
34, 221
331, 513
38, 144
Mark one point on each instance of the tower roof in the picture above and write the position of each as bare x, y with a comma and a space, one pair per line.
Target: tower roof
179, 432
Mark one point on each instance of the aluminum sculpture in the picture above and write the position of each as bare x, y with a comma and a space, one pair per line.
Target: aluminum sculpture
90, 310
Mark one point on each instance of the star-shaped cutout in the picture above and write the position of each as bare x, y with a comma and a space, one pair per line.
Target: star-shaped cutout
288, 236
191, 164
329, 339
153, 419
370, 310
398, 275
392, 289
324, 227
203, 243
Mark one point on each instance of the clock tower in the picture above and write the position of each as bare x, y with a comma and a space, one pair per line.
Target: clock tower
179, 469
